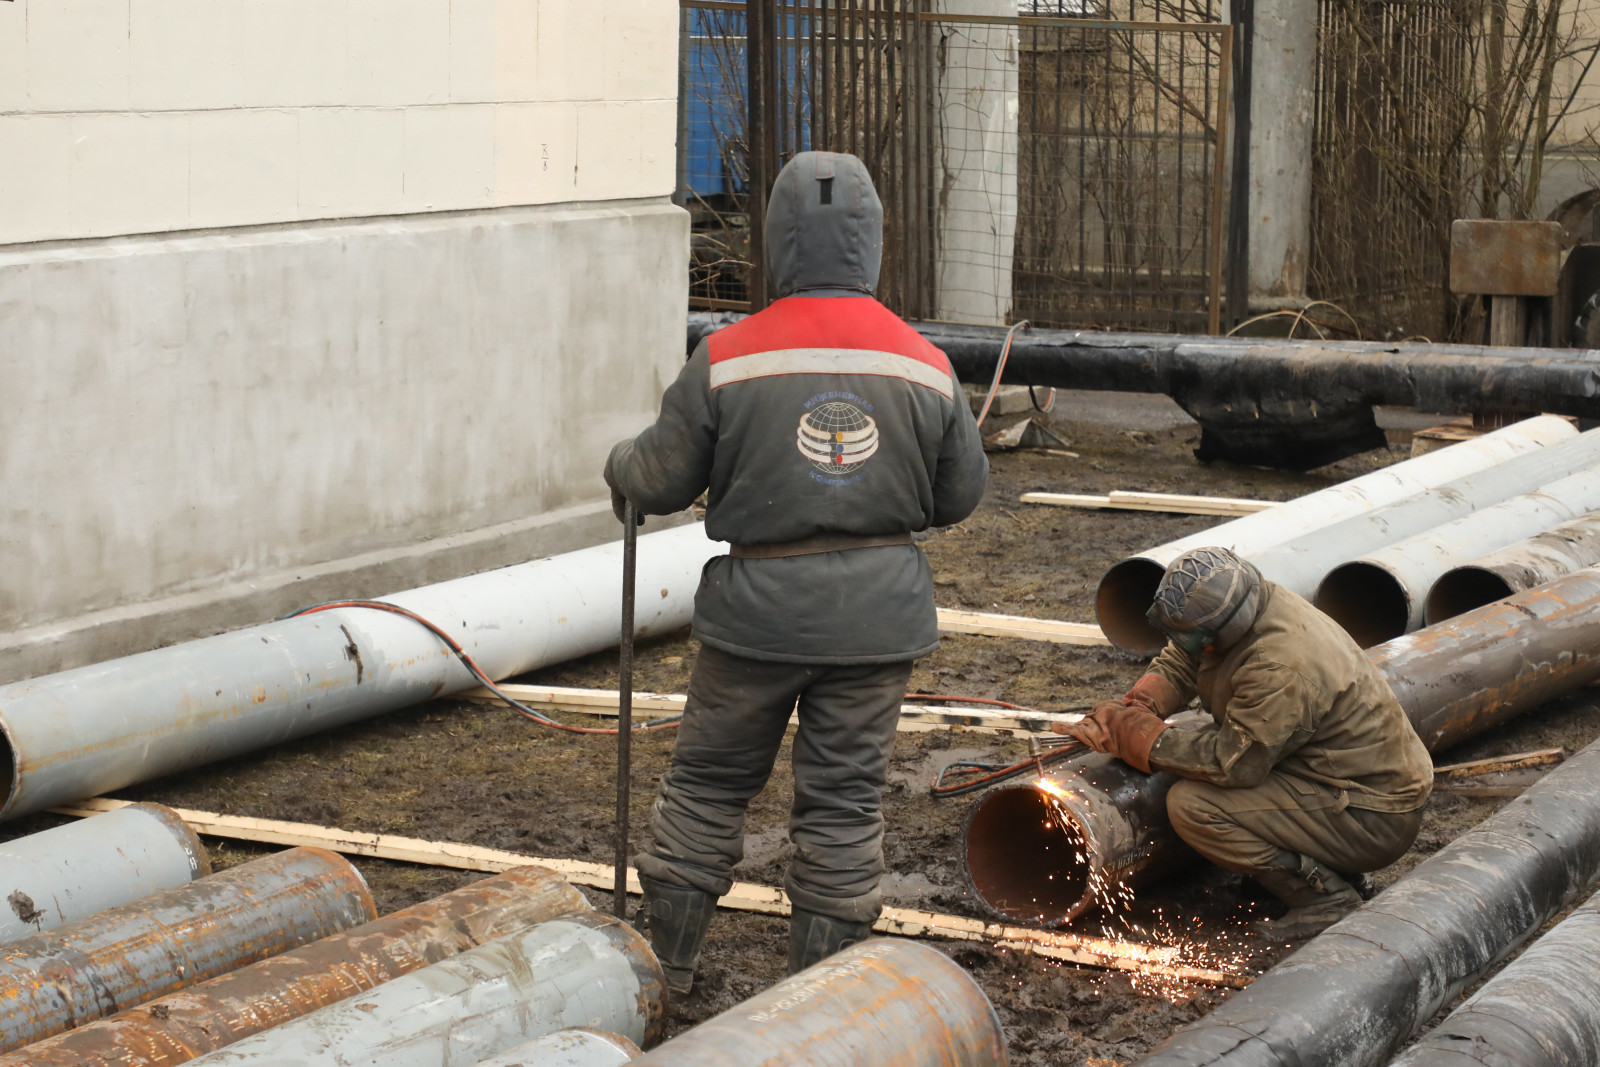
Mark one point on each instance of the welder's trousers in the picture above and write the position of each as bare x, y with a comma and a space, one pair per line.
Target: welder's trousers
1249, 829
733, 726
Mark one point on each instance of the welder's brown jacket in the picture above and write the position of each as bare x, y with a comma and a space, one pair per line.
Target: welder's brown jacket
1298, 697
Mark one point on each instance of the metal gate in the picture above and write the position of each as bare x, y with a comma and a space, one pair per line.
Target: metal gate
1060, 168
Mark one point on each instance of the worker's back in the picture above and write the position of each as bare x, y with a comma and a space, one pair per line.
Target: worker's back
823, 416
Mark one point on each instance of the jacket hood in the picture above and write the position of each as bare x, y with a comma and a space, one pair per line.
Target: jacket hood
824, 226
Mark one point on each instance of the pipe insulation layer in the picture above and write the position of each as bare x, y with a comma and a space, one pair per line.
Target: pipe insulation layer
1541, 558
1046, 851
98, 966
1543, 1010
580, 970
1380, 596
569, 1048
1128, 589
214, 1014
91, 730
1353, 995
883, 1001
58, 876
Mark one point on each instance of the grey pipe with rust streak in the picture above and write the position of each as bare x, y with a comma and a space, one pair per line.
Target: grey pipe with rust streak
1543, 1010
581, 969
175, 938
214, 1014
883, 1001
1539, 559
1353, 996
1454, 680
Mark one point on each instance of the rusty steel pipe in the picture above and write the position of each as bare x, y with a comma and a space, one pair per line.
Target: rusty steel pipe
1477, 670
884, 1001
1539, 559
1106, 822
1353, 995
178, 1027
582, 969
1543, 1010
175, 938
579, 1047
57, 876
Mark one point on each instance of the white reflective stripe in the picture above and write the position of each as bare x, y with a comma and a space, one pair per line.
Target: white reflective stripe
829, 361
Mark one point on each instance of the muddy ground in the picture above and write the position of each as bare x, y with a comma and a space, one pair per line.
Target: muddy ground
463, 772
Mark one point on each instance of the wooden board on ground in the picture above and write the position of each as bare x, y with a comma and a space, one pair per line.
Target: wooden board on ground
1517, 761
1171, 503
914, 718
744, 896
953, 621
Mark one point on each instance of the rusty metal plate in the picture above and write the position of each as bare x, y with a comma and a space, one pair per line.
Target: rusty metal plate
1499, 258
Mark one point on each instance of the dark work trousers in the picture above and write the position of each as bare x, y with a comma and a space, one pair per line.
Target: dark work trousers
1248, 829
733, 725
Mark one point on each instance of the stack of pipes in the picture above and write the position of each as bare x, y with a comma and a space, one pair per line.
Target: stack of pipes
1408, 545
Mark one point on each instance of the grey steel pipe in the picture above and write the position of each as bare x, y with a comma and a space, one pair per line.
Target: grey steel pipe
883, 1001
578, 970
1543, 1010
176, 1028
1046, 851
1541, 558
1380, 596
86, 731
130, 954
1352, 996
569, 1048
1128, 588
73, 871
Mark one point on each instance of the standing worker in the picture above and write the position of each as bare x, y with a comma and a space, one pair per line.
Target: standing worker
826, 431
1311, 773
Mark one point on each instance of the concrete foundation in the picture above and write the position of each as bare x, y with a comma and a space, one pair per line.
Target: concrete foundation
207, 430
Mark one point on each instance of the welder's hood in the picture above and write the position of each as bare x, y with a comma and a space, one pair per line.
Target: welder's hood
824, 226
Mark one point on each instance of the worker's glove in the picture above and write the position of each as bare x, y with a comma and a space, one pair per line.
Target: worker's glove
619, 508
1154, 694
1126, 733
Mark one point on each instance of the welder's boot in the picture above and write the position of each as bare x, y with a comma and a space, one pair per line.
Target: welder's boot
678, 918
1316, 895
813, 938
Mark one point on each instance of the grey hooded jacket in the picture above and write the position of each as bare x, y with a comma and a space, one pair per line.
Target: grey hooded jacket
824, 414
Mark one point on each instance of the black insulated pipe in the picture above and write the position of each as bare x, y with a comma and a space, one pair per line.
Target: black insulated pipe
1543, 1010
1354, 995
1367, 600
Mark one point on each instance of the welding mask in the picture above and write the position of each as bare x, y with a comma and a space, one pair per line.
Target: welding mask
1207, 600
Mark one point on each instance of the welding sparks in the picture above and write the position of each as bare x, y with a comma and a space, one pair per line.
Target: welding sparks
1166, 955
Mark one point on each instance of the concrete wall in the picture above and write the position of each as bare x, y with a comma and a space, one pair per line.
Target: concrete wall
138, 116
302, 299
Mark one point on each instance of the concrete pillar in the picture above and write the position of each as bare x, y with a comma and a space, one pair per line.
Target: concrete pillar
1282, 115
975, 163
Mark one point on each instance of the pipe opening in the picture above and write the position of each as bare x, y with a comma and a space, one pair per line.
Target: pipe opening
1368, 601
1022, 861
1125, 594
1461, 590
8, 770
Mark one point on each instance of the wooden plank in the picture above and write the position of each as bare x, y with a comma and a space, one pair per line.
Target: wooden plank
1482, 792
1543, 757
953, 621
914, 718
744, 896
1171, 503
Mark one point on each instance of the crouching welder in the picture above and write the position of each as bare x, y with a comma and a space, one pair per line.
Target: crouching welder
1311, 772
826, 430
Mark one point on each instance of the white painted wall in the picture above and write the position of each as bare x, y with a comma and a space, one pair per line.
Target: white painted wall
140, 116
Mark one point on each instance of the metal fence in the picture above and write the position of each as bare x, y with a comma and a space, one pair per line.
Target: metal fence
1063, 168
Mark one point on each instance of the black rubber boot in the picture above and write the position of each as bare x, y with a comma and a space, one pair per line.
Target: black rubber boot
813, 938
1317, 897
677, 918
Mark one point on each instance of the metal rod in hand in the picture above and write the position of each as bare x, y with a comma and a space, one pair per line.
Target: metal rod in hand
630, 559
